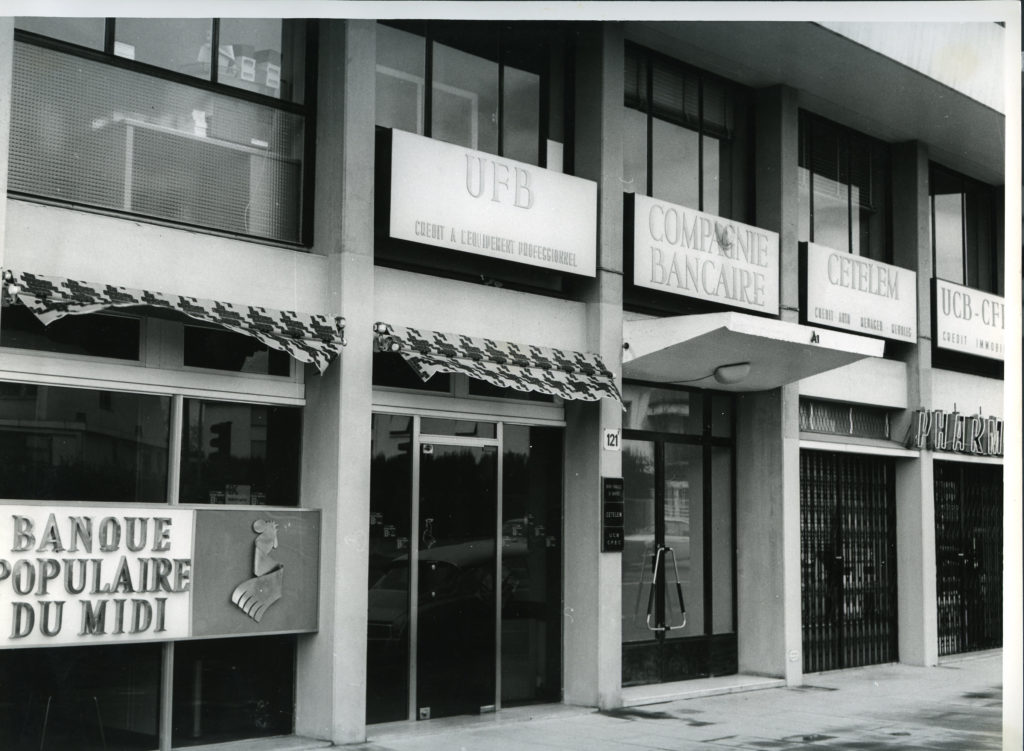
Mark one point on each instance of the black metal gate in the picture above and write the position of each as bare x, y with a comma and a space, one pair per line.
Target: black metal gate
848, 557
969, 556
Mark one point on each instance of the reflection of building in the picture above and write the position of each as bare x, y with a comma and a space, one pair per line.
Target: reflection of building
789, 276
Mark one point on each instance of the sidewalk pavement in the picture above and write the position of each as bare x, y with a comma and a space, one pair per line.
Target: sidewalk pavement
956, 706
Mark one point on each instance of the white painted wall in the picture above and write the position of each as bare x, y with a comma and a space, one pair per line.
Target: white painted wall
97, 248
405, 298
873, 381
967, 392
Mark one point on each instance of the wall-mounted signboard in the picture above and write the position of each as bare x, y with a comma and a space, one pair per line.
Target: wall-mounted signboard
968, 320
613, 516
687, 252
938, 430
845, 291
74, 574
457, 198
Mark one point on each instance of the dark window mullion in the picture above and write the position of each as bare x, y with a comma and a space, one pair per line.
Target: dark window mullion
708, 521
649, 84
700, 142
215, 51
965, 262
109, 35
501, 93
428, 84
659, 535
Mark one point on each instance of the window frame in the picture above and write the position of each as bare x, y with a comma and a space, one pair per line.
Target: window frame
848, 139
429, 32
736, 93
997, 277
306, 110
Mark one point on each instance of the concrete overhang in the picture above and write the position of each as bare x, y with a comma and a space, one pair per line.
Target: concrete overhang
688, 349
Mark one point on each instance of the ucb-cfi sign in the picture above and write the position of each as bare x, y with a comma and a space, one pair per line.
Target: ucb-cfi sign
937, 430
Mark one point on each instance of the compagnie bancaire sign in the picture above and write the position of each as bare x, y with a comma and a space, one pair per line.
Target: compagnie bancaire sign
82, 574
457, 198
691, 253
858, 294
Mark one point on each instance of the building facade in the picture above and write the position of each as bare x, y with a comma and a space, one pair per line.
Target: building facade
386, 371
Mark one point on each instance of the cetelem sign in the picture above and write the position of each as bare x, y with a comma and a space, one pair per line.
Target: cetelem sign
456, 198
73, 574
969, 320
687, 252
858, 294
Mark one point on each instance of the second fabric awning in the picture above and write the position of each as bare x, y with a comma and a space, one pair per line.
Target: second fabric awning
524, 367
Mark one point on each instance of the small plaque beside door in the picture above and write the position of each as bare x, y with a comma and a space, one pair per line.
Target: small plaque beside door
613, 509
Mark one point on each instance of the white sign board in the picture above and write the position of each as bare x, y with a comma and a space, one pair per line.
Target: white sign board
688, 252
457, 198
969, 320
860, 295
75, 574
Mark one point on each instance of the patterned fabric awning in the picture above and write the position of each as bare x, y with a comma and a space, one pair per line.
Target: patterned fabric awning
570, 375
315, 339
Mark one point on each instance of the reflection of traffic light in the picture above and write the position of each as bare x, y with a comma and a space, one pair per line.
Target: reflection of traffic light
221, 441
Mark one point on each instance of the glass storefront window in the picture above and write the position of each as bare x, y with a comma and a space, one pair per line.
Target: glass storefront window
465, 102
225, 689
401, 62
531, 592
96, 334
263, 55
662, 410
225, 350
722, 545
75, 444
240, 453
80, 697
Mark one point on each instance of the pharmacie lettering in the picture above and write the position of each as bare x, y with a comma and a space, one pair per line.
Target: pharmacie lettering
938, 430
134, 532
705, 276
863, 276
675, 227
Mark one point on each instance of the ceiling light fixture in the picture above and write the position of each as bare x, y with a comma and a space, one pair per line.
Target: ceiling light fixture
732, 373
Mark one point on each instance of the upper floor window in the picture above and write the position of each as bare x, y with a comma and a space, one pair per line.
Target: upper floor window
966, 244
478, 85
844, 189
685, 135
134, 115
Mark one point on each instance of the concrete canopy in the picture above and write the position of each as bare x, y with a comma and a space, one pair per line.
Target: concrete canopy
688, 349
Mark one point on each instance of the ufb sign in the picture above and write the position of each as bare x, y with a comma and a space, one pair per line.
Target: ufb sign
858, 294
687, 252
454, 197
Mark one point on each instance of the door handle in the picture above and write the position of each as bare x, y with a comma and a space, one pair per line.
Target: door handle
664, 552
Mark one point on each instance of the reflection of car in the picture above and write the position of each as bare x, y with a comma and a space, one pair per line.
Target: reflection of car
455, 581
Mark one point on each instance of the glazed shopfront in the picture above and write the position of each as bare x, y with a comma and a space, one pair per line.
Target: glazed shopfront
155, 569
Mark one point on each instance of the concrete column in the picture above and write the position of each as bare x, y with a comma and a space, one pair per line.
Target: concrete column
593, 580
915, 484
768, 430
331, 695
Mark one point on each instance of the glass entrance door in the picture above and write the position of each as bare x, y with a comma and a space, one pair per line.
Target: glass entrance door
464, 602
456, 639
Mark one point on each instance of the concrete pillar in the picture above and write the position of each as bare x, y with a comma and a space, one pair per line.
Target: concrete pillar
915, 484
331, 694
768, 430
593, 580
